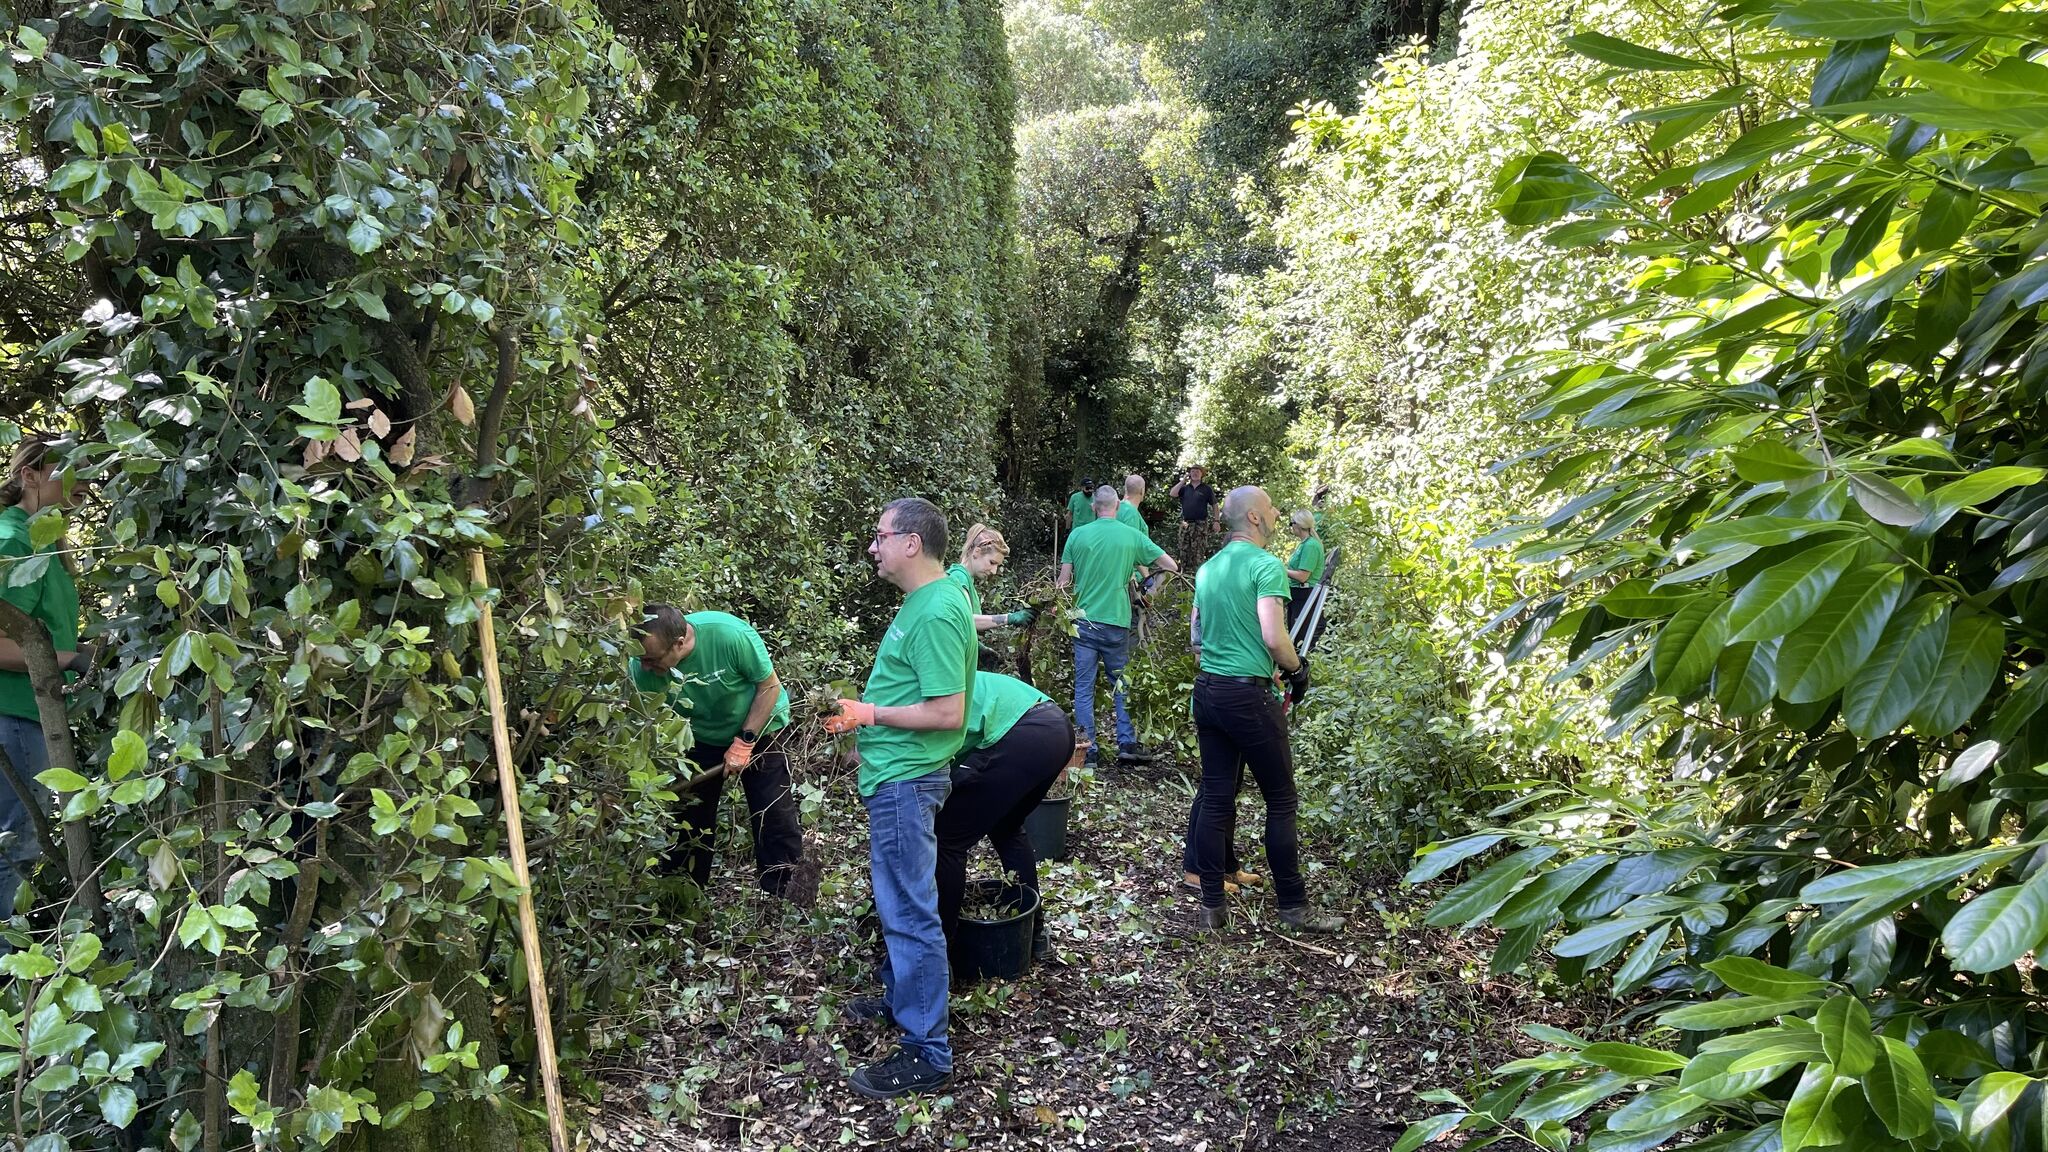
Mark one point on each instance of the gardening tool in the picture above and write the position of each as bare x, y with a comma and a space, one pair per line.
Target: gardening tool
515, 837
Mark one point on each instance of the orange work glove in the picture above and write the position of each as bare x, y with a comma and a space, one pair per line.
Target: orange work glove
738, 755
852, 714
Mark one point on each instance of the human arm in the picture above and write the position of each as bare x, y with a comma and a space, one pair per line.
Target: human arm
1298, 575
1273, 630
12, 660
935, 714
1177, 486
1066, 577
740, 752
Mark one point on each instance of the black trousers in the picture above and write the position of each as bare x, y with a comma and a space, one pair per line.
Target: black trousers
1240, 726
771, 811
1296, 598
994, 789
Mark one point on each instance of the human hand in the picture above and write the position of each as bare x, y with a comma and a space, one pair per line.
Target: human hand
1297, 681
1021, 617
852, 714
738, 755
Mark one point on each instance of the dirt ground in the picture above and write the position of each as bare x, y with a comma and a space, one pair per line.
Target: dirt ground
1140, 1033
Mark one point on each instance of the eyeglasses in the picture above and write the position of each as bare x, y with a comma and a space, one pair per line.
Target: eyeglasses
883, 534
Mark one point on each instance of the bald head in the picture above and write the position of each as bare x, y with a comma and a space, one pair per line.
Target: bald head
1104, 501
1250, 511
1134, 487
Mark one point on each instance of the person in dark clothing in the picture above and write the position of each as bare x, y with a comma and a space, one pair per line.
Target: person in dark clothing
1197, 515
1018, 741
1240, 605
714, 669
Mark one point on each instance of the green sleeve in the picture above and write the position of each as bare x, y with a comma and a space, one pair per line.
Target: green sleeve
644, 680
1271, 579
936, 650
752, 660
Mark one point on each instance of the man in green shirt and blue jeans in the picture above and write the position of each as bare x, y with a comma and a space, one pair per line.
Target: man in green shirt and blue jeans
713, 668
1097, 562
909, 725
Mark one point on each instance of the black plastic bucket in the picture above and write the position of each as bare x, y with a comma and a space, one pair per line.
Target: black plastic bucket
1046, 827
993, 949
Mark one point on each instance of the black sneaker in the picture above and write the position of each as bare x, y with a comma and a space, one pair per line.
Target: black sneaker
869, 1009
1041, 940
902, 1074
1212, 919
1306, 919
1134, 754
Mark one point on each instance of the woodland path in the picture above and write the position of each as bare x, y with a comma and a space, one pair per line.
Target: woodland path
1139, 1034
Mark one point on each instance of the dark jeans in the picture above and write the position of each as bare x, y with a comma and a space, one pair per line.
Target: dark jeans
1231, 864
771, 808
1239, 725
994, 789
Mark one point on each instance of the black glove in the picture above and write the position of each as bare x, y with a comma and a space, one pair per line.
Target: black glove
1297, 681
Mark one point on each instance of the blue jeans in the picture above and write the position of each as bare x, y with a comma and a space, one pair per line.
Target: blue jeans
1108, 647
23, 742
903, 854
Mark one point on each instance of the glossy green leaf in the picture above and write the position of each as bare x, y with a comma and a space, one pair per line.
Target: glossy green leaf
1899, 1091
1478, 897
1735, 1012
1819, 658
1810, 1120
1767, 461
1987, 1100
1997, 927
1436, 859
1683, 655
1632, 1059
1782, 597
1901, 877
1881, 695
1622, 54
1844, 1025
1753, 977
1970, 660
1884, 501
1756, 531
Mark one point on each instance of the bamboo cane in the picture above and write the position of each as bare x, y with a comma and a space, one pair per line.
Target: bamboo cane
515, 834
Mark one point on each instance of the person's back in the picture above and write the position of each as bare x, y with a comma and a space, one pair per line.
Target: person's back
1104, 553
1227, 593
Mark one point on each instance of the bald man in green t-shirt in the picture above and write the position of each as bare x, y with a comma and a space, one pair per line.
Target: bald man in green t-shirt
1097, 563
713, 668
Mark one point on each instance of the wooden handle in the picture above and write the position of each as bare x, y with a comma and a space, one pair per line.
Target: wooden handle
515, 836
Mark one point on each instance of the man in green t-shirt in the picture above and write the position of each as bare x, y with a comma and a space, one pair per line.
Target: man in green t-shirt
713, 668
909, 725
35, 480
1241, 628
1081, 505
1134, 497
1097, 563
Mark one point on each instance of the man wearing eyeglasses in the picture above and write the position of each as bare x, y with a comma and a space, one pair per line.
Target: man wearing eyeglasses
713, 668
908, 726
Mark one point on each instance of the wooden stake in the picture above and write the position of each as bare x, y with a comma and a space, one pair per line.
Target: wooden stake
515, 834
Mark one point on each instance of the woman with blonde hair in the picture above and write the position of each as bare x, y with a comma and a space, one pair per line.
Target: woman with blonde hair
982, 554
35, 480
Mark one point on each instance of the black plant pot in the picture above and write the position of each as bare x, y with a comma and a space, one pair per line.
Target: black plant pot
1046, 827
993, 949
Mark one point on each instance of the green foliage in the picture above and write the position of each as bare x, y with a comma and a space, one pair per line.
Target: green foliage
1809, 539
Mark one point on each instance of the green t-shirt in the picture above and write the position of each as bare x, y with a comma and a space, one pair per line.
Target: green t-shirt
999, 702
959, 574
1227, 594
714, 684
51, 598
929, 651
1080, 508
1308, 556
1127, 513
1103, 553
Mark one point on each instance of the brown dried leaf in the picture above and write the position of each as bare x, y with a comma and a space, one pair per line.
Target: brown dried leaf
380, 424
316, 451
348, 446
358, 405
461, 406
402, 448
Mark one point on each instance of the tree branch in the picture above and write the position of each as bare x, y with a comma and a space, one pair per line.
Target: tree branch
48, 681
